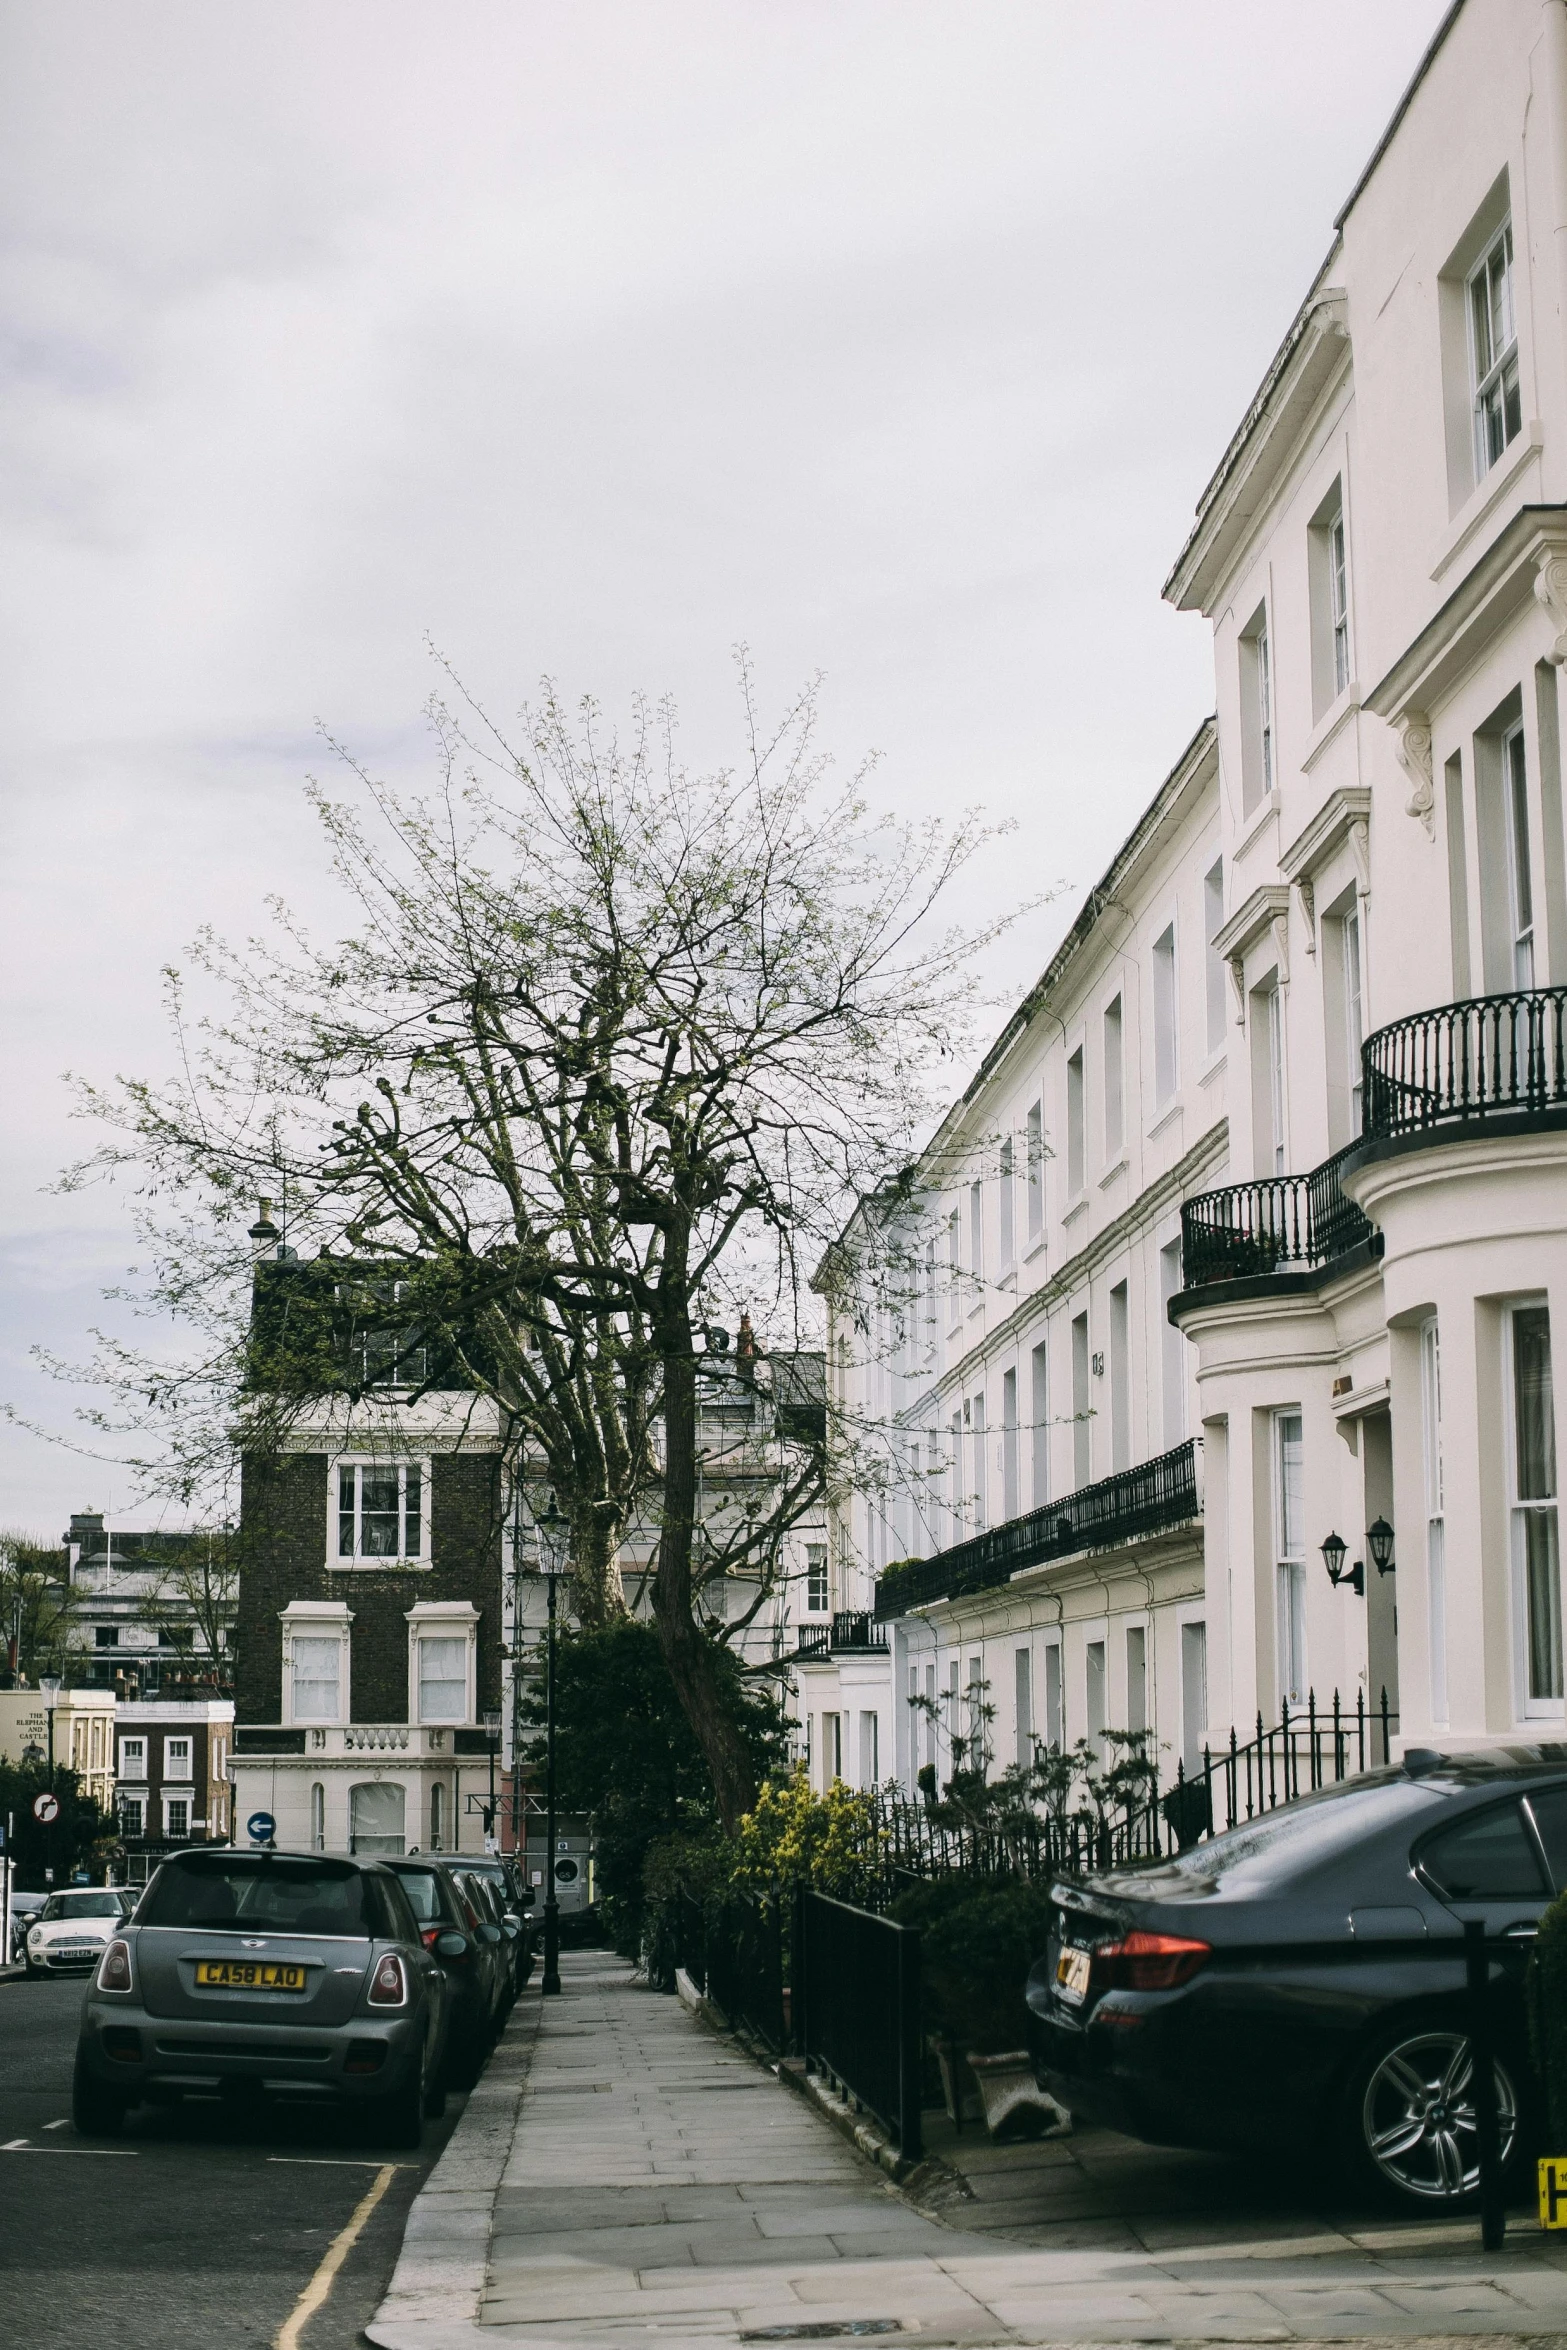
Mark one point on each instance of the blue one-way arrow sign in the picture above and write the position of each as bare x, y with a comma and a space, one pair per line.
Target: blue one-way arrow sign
261, 1827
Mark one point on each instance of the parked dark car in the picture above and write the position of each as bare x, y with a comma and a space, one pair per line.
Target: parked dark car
471, 1952
254, 1973
25, 1910
513, 1901
1296, 1984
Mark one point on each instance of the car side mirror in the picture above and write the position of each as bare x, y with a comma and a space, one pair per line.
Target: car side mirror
451, 1945
490, 1934
511, 1926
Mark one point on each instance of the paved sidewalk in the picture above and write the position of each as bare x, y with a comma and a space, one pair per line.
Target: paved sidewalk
658, 2184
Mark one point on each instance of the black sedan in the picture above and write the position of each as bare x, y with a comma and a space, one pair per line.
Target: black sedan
1299, 1980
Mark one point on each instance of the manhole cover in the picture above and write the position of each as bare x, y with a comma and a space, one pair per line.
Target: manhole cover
828, 2330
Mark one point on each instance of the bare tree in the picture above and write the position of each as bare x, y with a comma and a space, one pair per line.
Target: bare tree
612, 1051
38, 1608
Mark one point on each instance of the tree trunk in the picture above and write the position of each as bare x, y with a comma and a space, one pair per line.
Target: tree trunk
688, 1652
596, 1593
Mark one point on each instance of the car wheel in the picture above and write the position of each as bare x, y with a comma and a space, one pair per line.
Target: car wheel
1411, 2118
96, 2111
398, 2120
435, 2097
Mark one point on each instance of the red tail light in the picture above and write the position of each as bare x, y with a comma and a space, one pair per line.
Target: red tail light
389, 1985
1148, 1962
429, 1936
114, 1968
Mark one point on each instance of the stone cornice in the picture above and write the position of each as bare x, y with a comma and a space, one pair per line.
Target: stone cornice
1527, 559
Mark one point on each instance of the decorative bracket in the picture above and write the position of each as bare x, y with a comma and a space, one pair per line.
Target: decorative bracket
1550, 588
1414, 755
1306, 890
1281, 942
1236, 966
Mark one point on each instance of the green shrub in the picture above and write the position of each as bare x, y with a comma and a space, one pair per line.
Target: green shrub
978, 1938
1546, 1994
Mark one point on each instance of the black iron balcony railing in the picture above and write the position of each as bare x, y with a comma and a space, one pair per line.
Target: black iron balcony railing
1279, 1224
850, 1628
1149, 1499
1495, 1058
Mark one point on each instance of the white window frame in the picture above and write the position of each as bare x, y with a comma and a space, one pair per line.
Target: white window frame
317, 1816
1076, 1120
1493, 366
1278, 1095
1193, 1703
179, 1795
1136, 1629
443, 1619
134, 1747
1166, 991
357, 1464
1034, 1152
1352, 936
1520, 863
1435, 1511
1338, 600
172, 1771
1114, 1044
317, 1619
1289, 1557
818, 1586
132, 1799
1006, 1204
1215, 975
1530, 1708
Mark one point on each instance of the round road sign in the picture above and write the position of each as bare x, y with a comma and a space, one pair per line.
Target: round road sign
46, 1807
261, 1827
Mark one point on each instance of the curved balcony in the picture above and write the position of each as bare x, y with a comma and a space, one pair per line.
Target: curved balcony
1493, 1063
1278, 1224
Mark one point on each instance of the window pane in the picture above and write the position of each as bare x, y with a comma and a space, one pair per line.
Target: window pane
316, 1666
1542, 1588
443, 1680
346, 1479
378, 1527
1533, 1404
1289, 1428
412, 1543
1488, 1857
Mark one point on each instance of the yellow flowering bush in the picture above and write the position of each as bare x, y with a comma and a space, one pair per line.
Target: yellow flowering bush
830, 1841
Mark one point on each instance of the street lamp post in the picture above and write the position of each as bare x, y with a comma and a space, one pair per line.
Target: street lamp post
492, 1732
49, 1686
554, 1558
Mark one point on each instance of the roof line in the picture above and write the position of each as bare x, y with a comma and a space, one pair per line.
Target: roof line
1399, 111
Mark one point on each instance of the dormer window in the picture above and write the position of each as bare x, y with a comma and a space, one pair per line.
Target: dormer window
1493, 351
383, 1349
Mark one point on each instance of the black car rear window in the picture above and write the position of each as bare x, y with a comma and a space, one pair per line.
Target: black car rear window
1489, 1856
426, 1895
287, 1896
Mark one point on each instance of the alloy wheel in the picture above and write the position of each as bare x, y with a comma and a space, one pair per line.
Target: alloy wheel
1418, 2117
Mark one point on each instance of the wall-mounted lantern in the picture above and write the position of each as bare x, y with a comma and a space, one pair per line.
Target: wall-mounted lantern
1334, 1551
1379, 1540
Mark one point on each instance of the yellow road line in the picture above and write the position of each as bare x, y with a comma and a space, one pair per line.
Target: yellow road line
337, 2252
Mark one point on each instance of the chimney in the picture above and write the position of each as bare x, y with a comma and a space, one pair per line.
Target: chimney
264, 1232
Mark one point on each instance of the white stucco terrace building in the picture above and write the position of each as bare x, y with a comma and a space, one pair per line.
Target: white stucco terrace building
1251, 1230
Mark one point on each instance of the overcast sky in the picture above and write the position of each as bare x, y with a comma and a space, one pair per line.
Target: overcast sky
896, 340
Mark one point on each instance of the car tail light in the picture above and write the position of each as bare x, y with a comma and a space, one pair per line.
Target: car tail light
114, 1968
1148, 1962
389, 1984
429, 1936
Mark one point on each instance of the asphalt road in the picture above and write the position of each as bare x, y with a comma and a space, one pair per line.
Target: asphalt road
193, 2231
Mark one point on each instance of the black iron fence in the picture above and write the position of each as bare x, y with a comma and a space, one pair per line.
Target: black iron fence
1150, 1499
1467, 1065
992, 1833
1281, 1223
732, 1951
857, 2009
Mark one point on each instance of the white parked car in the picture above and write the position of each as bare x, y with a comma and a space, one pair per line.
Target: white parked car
73, 1929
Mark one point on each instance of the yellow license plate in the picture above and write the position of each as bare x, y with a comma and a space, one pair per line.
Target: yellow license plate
1072, 1971
248, 1974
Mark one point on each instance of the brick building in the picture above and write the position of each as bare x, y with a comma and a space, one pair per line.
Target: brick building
172, 1773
